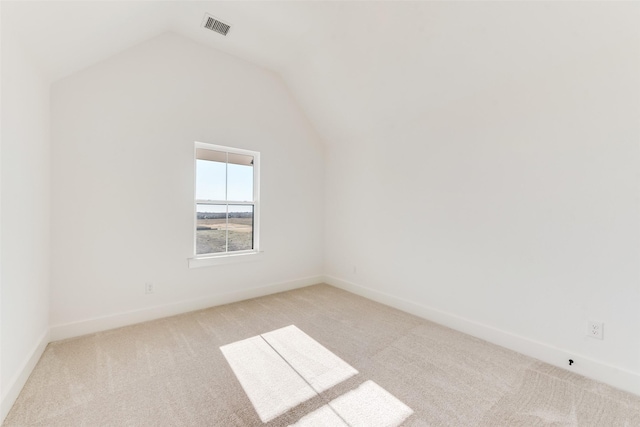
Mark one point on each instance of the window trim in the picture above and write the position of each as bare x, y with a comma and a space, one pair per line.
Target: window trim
233, 258
202, 260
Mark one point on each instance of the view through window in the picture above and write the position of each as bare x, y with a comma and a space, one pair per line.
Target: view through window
226, 200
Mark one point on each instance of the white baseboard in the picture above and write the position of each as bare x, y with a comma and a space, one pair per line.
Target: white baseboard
20, 378
97, 324
594, 369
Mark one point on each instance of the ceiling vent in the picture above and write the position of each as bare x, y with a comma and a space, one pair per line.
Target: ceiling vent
214, 24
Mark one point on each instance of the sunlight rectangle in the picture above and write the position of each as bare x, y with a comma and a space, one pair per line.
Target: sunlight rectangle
321, 417
269, 382
369, 405
317, 365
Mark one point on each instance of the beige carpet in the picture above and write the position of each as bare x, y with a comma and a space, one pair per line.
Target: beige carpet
171, 372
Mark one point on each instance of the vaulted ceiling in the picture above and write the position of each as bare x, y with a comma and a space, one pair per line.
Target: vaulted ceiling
354, 67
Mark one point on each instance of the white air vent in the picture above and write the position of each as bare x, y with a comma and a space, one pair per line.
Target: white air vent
214, 24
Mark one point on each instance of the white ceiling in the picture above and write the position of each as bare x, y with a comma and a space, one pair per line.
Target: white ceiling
353, 66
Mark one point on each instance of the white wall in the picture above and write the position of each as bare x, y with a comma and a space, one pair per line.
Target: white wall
25, 236
482, 164
514, 204
122, 180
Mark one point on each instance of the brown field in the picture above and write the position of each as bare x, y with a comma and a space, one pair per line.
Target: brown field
236, 224
213, 240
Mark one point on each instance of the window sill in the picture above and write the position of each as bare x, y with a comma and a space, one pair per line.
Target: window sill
207, 261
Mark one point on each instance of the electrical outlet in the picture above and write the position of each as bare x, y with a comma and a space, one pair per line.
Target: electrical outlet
595, 329
148, 288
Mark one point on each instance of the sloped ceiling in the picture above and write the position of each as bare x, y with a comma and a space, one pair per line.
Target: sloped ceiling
353, 66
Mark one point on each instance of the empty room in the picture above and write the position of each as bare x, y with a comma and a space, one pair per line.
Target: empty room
320, 213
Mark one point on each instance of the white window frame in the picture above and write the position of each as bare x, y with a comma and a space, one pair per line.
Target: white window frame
203, 260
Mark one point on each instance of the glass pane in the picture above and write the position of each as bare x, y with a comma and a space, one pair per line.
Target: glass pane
211, 179
240, 227
240, 178
211, 229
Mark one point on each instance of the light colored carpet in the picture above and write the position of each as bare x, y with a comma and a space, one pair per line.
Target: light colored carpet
171, 372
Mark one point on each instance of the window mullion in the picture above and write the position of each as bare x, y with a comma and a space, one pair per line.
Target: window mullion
210, 202
227, 232
226, 197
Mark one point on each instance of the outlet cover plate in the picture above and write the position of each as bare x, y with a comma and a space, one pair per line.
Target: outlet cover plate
595, 329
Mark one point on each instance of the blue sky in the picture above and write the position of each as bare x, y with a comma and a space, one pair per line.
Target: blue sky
213, 182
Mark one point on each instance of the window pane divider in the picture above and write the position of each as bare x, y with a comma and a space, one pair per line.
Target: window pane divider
224, 202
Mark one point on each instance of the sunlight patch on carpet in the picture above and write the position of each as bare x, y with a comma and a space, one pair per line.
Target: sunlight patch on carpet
321, 417
369, 405
281, 369
318, 366
269, 382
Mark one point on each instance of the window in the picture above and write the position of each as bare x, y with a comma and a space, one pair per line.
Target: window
226, 201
